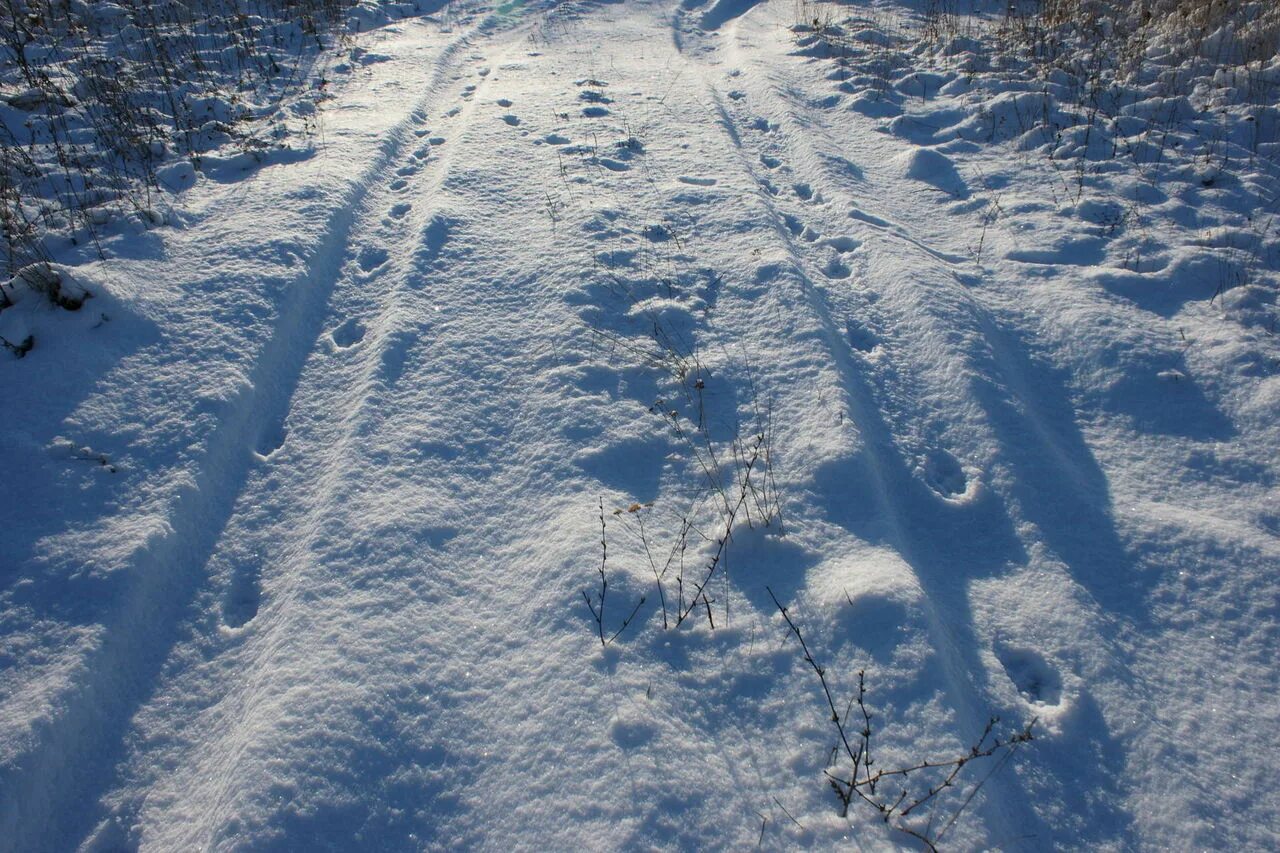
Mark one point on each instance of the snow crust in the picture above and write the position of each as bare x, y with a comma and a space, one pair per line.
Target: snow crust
301, 505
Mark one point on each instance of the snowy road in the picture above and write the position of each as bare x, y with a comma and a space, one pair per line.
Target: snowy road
363, 407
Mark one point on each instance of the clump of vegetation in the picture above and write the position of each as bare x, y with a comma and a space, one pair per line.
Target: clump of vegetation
1176, 97
95, 98
735, 484
897, 793
1078, 33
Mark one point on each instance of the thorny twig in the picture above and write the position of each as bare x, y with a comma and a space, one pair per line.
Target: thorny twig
862, 783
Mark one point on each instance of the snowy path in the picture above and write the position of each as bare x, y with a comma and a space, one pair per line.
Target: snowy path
334, 597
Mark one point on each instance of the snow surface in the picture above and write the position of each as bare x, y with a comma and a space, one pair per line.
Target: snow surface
301, 506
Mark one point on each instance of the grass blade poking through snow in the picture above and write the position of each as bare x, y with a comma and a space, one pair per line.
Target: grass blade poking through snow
597, 607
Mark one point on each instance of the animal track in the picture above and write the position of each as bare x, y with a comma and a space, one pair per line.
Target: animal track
348, 334
372, 257
631, 731
875, 622
861, 338
843, 244
1035, 677
395, 355
400, 210
836, 268
272, 438
510, 119
243, 598
434, 237
943, 474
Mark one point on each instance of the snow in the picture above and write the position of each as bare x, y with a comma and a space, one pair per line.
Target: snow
302, 504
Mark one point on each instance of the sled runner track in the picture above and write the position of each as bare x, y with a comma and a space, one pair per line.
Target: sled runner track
50, 792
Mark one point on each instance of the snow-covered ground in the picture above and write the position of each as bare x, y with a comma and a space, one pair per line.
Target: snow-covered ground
301, 518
